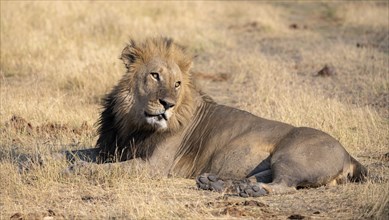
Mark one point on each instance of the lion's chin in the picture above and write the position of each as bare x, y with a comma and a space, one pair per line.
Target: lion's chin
157, 121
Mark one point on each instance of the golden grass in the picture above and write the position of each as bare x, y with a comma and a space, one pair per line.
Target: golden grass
58, 59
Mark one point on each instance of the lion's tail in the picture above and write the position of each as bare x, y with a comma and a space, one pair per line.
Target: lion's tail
357, 172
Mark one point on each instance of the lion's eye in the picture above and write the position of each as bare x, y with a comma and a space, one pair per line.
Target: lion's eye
177, 84
155, 75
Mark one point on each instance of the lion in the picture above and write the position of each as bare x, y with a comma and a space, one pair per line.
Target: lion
157, 116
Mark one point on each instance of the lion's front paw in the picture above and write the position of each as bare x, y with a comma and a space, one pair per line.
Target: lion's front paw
251, 190
211, 182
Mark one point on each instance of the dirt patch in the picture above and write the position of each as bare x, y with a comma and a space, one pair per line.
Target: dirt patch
235, 207
19, 125
237, 203
22, 126
48, 215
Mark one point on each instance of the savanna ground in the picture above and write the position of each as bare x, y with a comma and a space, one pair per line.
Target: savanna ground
58, 59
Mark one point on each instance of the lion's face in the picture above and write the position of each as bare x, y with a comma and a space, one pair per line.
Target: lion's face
153, 94
158, 91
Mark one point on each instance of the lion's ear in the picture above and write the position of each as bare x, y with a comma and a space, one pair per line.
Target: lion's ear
184, 58
185, 65
129, 54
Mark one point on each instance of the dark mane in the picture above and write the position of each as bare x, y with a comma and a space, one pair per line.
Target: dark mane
124, 136
138, 143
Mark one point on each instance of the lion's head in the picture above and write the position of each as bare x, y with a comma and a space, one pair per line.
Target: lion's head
154, 94
154, 99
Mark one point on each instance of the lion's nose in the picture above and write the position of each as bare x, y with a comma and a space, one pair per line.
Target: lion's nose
166, 104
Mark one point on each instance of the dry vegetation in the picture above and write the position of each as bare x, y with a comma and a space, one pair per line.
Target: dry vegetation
58, 60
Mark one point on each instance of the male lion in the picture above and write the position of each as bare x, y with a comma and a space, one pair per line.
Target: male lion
156, 115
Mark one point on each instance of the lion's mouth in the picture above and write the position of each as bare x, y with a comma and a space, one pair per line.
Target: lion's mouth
157, 116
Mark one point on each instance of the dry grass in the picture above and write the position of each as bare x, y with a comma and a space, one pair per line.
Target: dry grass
59, 58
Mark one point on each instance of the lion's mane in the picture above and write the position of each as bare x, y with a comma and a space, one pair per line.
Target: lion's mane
120, 133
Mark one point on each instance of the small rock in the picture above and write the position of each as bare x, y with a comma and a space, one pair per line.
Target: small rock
293, 26
17, 216
51, 212
326, 71
296, 216
296, 26
87, 198
361, 45
386, 157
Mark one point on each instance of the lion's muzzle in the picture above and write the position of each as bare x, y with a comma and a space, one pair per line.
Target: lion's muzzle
158, 116
158, 120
